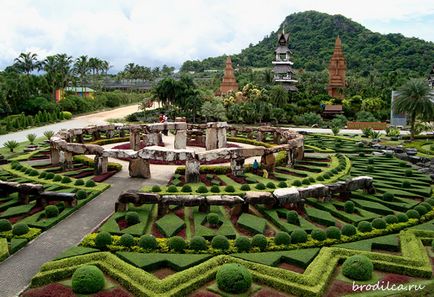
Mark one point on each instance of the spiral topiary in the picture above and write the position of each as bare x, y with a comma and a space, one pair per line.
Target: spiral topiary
126, 240
148, 242
349, 206
358, 267
298, 236
51, 211
103, 239
364, 226
282, 238
5, 225
412, 214
233, 278
20, 229
333, 232
220, 242
259, 241
318, 234
176, 243
198, 243
87, 279
391, 219
292, 217
379, 223
132, 218
243, 244
349, 230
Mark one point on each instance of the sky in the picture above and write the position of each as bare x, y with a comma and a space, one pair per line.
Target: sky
153, 33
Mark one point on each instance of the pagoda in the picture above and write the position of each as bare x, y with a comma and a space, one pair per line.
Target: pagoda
337, 68
283, 72
229, 83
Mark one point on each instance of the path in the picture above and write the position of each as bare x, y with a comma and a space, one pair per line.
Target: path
17, 270
99, 118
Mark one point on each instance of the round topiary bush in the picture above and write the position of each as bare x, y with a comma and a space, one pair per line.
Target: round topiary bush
402, 217
379, 223
260, 186
198, 243
349, 206
212, 218
391, 219
245, 187
364, 226
259, 241
202, 189
349, 230
90, 183
298, 236
126, 240
282, 238
427, 206
409, 172
430, 201
282, 184
271, 185
186, 189
388, 196
318, 234
51, 211
233, 278
87, 279
172, 189
370, 161
242, 243
60, 206
220, 242
406, 184
79, 182
20, 229
421, 209
132, 218
320, 178
5, 225
305, 181
103, 239
358, 267
176, 243
361, 154
43, 174
412, 214
56, 178
66, 180
296, 183
333, 232
215, 189
148, 242
81, 194
292, 217
156, 189
229, 189
370, 168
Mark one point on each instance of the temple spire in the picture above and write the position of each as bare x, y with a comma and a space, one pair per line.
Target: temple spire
229, 83
337, 69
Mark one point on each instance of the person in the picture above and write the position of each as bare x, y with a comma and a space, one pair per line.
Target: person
161, 118
164, 118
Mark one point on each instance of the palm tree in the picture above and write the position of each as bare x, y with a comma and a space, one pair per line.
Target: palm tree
81, 68
11, 145
27, 62
58, 71
416, 100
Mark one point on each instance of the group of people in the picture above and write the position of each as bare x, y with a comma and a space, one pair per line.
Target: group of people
163, 118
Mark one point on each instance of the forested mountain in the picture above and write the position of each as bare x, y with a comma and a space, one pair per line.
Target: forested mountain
312, 37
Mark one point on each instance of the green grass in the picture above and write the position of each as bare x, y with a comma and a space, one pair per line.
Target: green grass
252, 223
170, 224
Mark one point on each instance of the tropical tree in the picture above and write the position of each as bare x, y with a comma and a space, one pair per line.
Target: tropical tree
81, 68
278, 96
27, 62
11, 145
416, 100
48, 134
213, 110
31, 138
57, 71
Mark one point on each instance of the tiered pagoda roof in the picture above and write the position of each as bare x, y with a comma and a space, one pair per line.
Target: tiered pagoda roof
283, 71
229, 83
337, 69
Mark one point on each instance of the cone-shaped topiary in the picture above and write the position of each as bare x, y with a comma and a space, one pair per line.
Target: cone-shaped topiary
87, 279
233, 278
358, 267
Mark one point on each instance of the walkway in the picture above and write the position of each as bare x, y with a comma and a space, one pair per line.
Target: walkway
17, 271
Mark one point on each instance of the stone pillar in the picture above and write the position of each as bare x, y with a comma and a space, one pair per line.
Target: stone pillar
276, 137
139, 168
68, 160
259, 136
134, 140
120, 206
268, 161
121, 133
95, 135
221, 137
152, 139
101, 164
299, 153
234, 133
55, 156
163, 209
237, 166
79, 138
204, 208
192, 171
23, 197
180, 139
211, 138
110, 134
291, 159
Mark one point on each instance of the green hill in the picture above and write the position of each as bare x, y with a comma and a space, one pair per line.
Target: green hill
312, 37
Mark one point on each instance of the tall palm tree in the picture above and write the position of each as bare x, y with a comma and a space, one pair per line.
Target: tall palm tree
27, 62
58, 71
81, 68
416, 100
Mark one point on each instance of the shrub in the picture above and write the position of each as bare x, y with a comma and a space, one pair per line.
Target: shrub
51, 211
320, 178
126, 240
90, 183
198, 243
233, 278
282, 184
186, 189
402, 217
215, 189
43, 174
260, 186
370, 168
271, 185
103, 239
426, 205
318, 234
406, 184
412, 214
229, 189
333, 232
5, 225
172, 189
220, 242
148, 242
430, 201
379, 223
306, 181
20, 229
79, 182
60, 206
87, 279
358, 267
48, 134
408, 172
349, 230
370, 161
242, 243
298, 236
11, 145
421, 209
212, 218
292, 217
364, 226
245, 187
432, 244
81, 194
388, 196
282, 238
349, 206
66, 180
176, 243
259, 241
296, 183
202, 189
55, 178
132, 218
66, 115
391, 219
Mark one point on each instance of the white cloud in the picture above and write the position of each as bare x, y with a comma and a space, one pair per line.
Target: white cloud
156, 32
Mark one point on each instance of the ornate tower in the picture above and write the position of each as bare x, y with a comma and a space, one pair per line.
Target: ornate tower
229, 82
337, 68
283, 72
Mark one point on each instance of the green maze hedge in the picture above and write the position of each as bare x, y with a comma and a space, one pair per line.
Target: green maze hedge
252, 223
170, 224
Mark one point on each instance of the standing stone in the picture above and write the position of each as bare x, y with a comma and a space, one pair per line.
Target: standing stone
234, 133
180, 139
55, 156
139, 168
110, 134
276, 137
259, 136
211, 138
291, 159
134, 140
79, 138
68, 160
101, 164
192, 171
299, 153
95, 135
221, 137
268, 162
151, 139
237, 166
